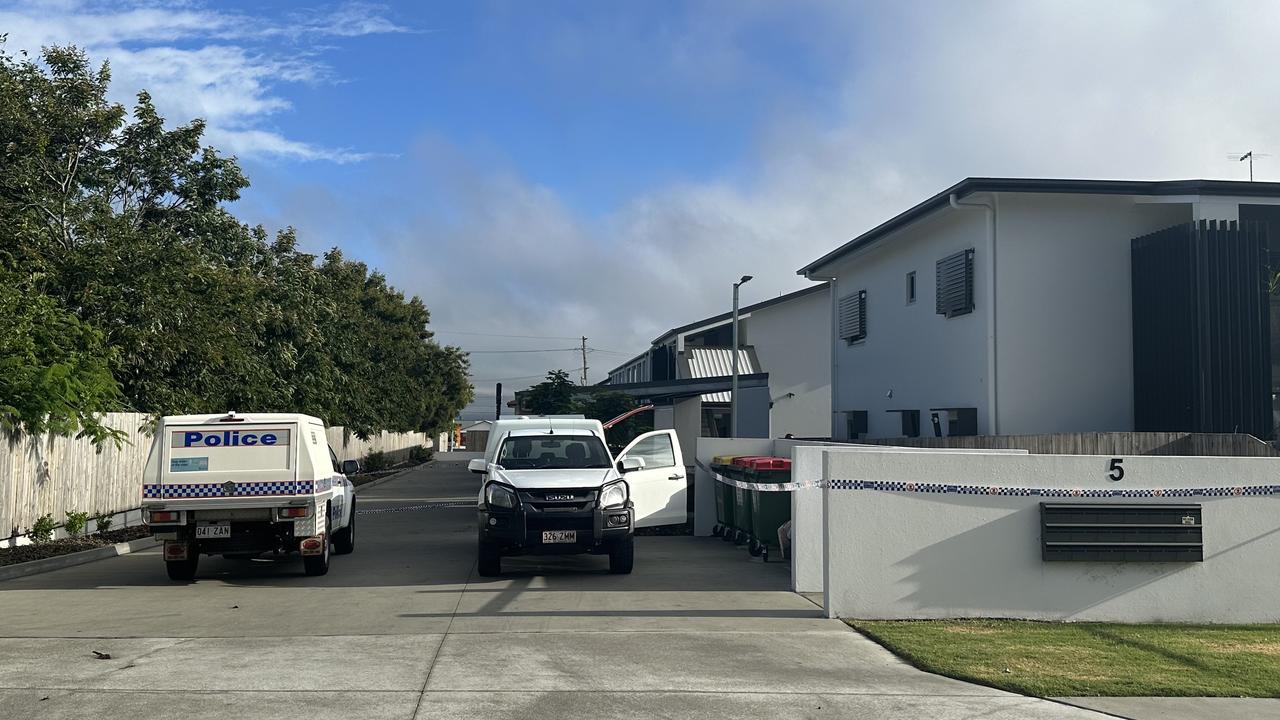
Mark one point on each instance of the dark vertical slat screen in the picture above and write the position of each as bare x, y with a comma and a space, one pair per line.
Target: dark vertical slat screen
1201, 329
954, 278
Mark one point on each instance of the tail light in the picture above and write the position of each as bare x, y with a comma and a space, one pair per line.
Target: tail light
164, 516
295, 512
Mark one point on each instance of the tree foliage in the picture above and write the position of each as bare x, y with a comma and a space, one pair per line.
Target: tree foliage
137, 289
553, 396
557, 395
605, 406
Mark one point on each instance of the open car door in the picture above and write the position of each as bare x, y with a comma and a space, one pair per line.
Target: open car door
659, 491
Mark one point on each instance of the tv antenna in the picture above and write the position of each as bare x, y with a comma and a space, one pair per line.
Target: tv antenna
1248, 155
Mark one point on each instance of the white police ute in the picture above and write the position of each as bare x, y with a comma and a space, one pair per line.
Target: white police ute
243, 485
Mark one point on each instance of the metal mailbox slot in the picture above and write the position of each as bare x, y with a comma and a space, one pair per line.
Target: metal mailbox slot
1121, 533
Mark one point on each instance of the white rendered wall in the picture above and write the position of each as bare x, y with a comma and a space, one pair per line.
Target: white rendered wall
1064, 326
791, 340
916, 555
925, 359
807, 535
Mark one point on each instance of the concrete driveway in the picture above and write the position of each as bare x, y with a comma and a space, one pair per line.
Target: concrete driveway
404, 628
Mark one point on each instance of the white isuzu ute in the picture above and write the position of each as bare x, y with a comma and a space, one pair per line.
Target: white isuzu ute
551, 488
244, 485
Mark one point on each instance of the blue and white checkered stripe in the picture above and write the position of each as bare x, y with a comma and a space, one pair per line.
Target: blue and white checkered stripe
244, 489
1004, 491
947, 488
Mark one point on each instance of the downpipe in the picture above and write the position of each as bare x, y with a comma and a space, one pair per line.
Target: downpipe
834, 345
993, 407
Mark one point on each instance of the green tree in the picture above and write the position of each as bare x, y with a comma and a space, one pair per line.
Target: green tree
140, 290
54, 372
553, 396
605, 406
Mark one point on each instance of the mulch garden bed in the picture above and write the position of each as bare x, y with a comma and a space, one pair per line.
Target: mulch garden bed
64, 546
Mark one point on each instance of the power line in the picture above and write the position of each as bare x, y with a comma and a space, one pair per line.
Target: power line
500, 379
525, 337
541, 350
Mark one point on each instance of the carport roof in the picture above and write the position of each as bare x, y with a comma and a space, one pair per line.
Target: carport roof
1045, 185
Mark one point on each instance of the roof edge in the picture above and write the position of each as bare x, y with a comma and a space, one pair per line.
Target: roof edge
971, 185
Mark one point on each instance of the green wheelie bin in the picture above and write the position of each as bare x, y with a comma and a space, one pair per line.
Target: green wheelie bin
770, 509
722, 464
742, 502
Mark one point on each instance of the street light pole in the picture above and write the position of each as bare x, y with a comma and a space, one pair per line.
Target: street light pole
733, 392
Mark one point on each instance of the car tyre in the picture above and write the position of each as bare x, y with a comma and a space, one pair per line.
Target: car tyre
183, 570
344, 540
622, 556
317, 565
489, 562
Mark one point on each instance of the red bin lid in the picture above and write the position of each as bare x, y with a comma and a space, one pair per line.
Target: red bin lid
768, 463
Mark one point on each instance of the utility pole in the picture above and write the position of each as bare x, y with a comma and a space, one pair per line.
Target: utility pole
497, 415
733, 393
584, 361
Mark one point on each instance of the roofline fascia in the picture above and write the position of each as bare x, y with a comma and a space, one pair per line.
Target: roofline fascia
972, 185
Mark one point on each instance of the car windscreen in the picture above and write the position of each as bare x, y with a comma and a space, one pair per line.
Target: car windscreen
559, 451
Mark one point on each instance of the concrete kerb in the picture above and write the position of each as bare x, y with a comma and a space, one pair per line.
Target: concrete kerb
393, 476
35, 567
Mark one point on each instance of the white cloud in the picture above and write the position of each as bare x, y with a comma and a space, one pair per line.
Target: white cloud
221, 66
929, 94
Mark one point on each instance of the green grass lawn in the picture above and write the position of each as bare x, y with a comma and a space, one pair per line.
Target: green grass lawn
1078, 659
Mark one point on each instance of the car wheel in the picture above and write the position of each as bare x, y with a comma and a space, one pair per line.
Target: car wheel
344, 540
183, 570
622, 556
489, 563
316, 565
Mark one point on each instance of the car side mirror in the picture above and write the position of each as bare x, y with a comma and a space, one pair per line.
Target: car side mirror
478, 465
350, 467
629, 464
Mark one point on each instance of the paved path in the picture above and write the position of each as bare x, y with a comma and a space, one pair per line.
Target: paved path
404, 628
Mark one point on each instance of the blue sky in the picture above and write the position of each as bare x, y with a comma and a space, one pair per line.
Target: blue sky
558, 169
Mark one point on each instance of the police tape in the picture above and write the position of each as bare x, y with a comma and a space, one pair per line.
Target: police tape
898, 486
766, 487
426, 506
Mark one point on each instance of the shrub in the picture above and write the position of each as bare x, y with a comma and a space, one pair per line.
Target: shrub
375, 461
103, 522
420, 454
76, 523
42, 530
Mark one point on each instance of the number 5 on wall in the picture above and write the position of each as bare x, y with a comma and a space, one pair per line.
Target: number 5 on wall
1115, 471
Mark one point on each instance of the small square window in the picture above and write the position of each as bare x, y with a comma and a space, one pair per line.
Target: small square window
911, 287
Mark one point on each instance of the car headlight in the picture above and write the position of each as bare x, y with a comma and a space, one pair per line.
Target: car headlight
499, 496
614, 494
